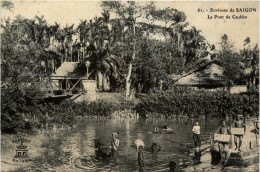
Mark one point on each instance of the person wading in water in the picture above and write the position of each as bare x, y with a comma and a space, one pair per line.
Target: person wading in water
114, 143
223, 147
140, 158
140, 148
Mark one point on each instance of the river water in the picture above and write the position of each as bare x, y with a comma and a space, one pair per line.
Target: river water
62, 152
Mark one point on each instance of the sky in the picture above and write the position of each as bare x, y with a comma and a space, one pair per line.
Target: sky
68, 12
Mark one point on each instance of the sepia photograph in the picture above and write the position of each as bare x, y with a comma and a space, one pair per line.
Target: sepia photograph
129, 86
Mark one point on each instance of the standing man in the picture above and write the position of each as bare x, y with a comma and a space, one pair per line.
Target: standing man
223, 147
114, 142
238, 124
196, 134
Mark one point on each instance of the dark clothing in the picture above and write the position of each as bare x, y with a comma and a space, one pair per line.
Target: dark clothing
140, 155
238, 137
223, 147
196, 138
141, 165
256, 131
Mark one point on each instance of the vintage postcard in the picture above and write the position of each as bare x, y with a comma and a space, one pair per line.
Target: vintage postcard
126, 86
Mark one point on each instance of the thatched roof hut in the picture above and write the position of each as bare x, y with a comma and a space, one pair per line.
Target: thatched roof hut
208, 75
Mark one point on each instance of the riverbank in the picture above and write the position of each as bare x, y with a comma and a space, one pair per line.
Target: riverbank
173, 103
186, 102
58, 151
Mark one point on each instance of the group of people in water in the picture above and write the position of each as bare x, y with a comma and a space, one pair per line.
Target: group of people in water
222, 146
103, 151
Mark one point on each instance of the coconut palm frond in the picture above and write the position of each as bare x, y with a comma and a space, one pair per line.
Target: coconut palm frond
106, 16
247, 41
7, 5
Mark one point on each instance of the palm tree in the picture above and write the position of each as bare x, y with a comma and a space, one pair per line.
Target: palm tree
178, 26
250, 64
68, 31
192, 41
7, 5
247, 41
97, 36
255, 65
197, 38
109, 63
83, 29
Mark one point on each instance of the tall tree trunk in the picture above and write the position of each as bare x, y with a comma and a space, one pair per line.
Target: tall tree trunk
128, 77
52, 65
128, 81
66, 53
106, 83
254, 80
99, 81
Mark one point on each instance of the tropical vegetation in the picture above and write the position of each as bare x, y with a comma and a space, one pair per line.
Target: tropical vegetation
131, 46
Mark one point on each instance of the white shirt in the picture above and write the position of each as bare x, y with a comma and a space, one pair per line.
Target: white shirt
196, 129
115, 144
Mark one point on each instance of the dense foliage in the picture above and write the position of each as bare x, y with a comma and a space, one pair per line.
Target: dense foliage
187, 102
239, 67
124, 53
20, 112
33, 47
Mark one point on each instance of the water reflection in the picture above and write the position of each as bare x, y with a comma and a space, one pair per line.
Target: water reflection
196, 157
141, 165
79, 144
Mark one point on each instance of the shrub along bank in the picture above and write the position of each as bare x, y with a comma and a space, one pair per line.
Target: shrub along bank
20, 112
187, 102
